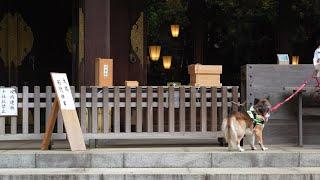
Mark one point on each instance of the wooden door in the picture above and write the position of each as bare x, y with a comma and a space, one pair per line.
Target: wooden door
36, 37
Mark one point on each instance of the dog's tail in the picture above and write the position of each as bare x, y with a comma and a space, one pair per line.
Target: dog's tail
228, 129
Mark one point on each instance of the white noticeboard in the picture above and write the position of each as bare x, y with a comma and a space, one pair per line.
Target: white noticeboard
8, 102
63, 91
105, 70
283, 59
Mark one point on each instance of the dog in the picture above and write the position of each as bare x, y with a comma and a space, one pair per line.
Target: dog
250, 123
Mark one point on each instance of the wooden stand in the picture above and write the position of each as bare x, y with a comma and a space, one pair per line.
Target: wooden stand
50, 125
65, 101
71, 122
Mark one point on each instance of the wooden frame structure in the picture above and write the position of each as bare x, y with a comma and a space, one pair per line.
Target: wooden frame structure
108, 113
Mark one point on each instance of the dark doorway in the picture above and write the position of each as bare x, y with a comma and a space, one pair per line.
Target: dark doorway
51, 51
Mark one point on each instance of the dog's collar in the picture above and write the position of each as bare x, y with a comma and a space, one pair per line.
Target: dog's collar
253, 115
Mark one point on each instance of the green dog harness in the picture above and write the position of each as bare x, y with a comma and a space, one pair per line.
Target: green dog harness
253, 115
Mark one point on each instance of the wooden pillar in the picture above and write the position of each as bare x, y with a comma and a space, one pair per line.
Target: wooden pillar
199, 29
120, 41
97, 36
75, 40
124, 14
108, 25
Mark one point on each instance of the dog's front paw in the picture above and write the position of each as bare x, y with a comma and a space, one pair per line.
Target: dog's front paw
253, 148
264, 148
241, 150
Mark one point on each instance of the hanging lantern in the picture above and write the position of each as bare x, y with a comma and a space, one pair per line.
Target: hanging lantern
295, 60
175, 30
154, 52
167, 61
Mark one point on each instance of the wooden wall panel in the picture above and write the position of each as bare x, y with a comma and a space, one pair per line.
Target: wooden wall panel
262, 80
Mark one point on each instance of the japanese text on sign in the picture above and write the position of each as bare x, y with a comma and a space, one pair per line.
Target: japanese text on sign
63, 91
8, 102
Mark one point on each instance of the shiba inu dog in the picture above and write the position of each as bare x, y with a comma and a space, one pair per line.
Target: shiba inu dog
250, 123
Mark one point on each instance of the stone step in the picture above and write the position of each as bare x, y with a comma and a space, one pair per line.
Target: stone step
162, 158
161, 173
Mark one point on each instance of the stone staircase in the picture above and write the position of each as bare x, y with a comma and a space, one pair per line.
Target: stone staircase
203, 163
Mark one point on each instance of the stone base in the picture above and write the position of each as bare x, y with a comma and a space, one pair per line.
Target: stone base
162, 157
163, 174
165, 163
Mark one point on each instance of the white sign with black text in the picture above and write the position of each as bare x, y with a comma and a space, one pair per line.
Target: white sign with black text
8, 102
63, 91
105, 70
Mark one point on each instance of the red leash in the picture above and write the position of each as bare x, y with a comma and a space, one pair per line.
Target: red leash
277, 106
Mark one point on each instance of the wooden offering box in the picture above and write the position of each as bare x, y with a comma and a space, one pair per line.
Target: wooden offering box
104, 72
205, 75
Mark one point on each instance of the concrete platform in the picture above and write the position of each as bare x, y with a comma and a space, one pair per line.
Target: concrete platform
162, 157
24, 160
163, 173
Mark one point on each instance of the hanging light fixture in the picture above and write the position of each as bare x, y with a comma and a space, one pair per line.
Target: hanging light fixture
154, 52
175, 30
167, 61
295, 60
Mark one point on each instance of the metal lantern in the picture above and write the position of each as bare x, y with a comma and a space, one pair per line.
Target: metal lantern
154, 52
295, 60
167, 61
175, 30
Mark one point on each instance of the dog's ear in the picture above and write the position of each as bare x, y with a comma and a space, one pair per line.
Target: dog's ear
268, 98
255, 101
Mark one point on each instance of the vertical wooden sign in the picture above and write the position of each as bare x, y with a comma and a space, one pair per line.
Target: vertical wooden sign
65, 101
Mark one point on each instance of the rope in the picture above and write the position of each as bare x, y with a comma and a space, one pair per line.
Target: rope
278, 105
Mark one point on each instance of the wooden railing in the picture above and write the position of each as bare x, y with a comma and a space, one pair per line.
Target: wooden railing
126, 113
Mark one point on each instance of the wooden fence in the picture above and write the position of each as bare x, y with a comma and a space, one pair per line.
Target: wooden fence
126, 113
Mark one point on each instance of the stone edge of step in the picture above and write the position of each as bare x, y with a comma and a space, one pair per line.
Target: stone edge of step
161, 171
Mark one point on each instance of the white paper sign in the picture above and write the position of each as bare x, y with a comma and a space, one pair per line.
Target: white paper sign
105, 70
63, 91
283, 59
8, 102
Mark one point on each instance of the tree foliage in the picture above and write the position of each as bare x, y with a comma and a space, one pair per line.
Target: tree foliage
244, 31
160, 13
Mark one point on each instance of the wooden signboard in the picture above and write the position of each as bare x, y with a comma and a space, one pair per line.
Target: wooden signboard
65, 102
8, 102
